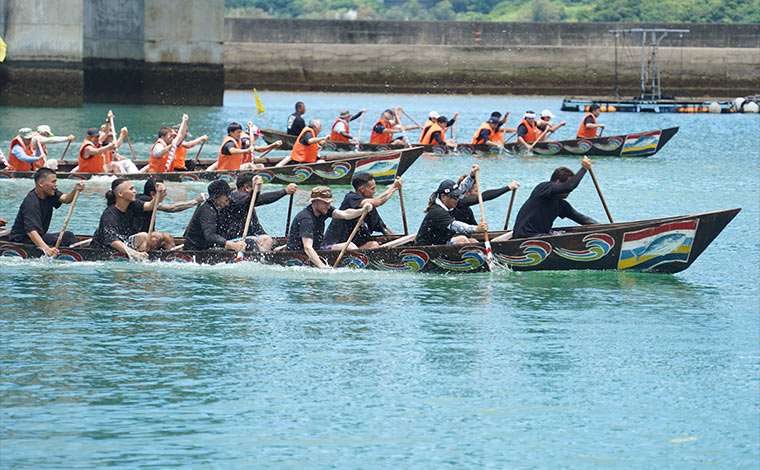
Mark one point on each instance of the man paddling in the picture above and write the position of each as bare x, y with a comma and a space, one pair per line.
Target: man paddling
547, 202
527, 131
546, 122
462, 211
91, 159
205, 231
385, 128
589, 126
23, 157
306, 146
234, 150
308, 227
117, 223
340, 128
364, 191
439, 227
180, 162
142, 219
44, 136
436, 134
433, 119
160, 153
231, 221
486, 133
33, 218
295, 120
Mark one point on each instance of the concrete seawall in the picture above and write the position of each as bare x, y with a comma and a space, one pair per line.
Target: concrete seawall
513, 58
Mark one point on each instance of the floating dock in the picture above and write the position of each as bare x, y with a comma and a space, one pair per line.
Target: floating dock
648, 106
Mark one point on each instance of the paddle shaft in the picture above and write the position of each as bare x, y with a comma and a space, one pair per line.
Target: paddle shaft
250, 211
350, 238
66, 150
361, 123
598, 190
403, 210
509, 211
483, 216
410, 118
290, 211
198, 155
129, 142
187, 229
66, 221
406, 137
153, 217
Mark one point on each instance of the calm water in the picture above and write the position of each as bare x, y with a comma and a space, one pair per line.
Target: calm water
161, 365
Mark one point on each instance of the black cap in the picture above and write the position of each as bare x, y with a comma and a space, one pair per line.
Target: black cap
93, 132
218, 188
493, 120
449, 188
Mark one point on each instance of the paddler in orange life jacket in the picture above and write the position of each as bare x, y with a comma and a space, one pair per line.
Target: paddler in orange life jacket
527, 131
340, 128
180, 158
159, 152
588, 127
433, 119
546, 121
498, 135
485, 133
436, 134
91, 159
385, 127
22, 156
44, 136
306, 145
236, 151
113, 162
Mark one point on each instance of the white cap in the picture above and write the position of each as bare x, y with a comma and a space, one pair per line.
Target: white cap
547, 113
44, 129
433, 115
530, 114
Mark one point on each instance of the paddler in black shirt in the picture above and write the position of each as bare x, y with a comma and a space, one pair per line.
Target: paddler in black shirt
307, 231
204, 231
33, 219
462, 211
295, 121
439, 226
117, 224
340, 229
547, 202
232, 219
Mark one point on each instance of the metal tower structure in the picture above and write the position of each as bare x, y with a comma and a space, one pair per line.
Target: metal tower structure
649, 88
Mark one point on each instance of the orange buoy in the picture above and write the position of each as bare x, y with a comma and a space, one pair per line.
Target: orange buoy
586, 108
611, 109
703, 109
603, 108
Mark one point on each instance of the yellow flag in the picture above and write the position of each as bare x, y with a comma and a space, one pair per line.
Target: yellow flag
3, 47
259, 107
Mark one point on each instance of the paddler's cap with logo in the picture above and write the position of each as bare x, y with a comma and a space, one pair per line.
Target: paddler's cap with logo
26, 133
449, 188
44, 129
321, 193
345, 114
218, 188
548, 114
530, 115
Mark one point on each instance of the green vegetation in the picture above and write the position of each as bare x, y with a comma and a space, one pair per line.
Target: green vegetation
676, 11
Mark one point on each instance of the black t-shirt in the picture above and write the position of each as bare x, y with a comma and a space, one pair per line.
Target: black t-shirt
295, 124
462, 211
436, 137
339, 229
116, 225
232, 218
307, 225
202, 233
543, 206
34, 214
142, 219
434, 229
379, 128
304, 140
522, 129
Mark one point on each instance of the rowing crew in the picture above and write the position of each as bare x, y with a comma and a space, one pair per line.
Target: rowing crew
219, 222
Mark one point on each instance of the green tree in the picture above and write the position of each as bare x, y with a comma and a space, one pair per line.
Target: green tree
442, 11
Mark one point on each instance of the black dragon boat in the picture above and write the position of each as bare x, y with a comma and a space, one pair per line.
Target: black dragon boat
667, 245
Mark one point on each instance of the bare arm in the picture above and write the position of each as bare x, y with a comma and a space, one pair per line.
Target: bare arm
308, 248
350, 214
119, 246
68, 197
37, 239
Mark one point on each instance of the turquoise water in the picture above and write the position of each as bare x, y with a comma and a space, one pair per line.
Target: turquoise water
163, 365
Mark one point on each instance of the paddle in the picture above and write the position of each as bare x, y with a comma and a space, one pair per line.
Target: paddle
65, 150
248, 218
403, 210
410, 118
187, 229
68, 216
176, 142
359, 135
129, 142
350, 238
290, 211
509, 211
489, 253
530, 147
598, 190
197, 155
406, 137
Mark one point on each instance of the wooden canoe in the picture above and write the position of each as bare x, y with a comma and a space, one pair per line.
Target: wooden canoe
337, 170
667, 245
641, 144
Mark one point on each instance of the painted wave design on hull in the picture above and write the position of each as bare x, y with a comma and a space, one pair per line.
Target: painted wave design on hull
411, 260
534, 252
473, 257
597, 244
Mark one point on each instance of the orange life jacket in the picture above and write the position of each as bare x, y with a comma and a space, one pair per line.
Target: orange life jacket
229, 162
533, 131
94, 164
179, 156
336, 137
158, 165
583, 131
427, 136
476, 138
498, 136
304, 153
383, 138
15, 163
39, 163
248, 156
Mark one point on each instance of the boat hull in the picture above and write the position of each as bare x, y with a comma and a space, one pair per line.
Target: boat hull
667, 245
642, 144
384, 166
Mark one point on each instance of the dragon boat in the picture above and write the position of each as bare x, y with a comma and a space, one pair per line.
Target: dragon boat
641, 144
667, 245
336, 170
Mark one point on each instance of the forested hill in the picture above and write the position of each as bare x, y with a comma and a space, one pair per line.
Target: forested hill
675, 11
